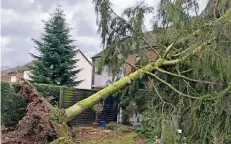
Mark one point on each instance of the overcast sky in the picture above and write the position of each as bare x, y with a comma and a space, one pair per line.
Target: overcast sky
21, 20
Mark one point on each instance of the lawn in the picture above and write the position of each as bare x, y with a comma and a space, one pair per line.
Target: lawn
113, 134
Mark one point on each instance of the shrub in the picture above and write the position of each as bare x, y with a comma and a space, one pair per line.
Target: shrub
50, 92
13, 107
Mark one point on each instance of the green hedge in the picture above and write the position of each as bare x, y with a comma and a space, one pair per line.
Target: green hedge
14, 107
49, 91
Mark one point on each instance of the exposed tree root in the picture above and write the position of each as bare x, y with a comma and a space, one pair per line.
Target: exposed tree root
37, 126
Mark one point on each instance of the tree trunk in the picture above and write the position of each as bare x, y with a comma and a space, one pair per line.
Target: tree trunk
89, 102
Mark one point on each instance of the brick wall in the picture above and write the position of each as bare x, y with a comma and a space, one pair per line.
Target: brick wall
8, 76
132, 59
5, 78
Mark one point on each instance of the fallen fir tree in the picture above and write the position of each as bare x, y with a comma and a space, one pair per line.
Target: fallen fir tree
43, 123
162, 61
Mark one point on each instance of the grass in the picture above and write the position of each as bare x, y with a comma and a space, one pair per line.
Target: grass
118, 134
127, 139
113, 134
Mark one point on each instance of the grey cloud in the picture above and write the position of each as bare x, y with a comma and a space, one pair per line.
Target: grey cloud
84, 27
20, 32
89, 50
18, 28
18, 5
19, 55
30, 5
47, 4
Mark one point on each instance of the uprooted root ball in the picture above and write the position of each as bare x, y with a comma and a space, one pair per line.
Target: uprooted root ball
37, 126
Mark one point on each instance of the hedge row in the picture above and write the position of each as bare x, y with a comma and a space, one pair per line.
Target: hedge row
14, 107
50, 92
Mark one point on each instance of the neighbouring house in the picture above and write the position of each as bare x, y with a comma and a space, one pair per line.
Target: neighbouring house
11, 75
105, 77
86, 73
101, 80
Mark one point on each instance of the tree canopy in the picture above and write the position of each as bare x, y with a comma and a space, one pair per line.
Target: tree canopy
195, 81
56, 63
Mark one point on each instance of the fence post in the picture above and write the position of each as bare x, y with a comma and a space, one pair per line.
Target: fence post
61, 97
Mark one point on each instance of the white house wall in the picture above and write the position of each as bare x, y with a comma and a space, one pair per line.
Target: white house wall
104, 78
85, 74
26, 75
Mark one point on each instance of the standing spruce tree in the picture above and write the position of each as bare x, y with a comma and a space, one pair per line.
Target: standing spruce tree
56, 63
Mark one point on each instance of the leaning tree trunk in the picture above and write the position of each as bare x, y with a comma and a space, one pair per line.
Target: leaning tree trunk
89, 102
77, 108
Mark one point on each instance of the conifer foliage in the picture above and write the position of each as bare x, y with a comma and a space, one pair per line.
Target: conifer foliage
56, 63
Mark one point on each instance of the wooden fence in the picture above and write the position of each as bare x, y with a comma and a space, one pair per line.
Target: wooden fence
70, 96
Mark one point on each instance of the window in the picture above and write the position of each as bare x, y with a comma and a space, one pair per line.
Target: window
13, 79
26, 75
108, 71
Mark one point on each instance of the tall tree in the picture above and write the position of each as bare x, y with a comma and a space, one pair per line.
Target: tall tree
56, 63
191, 74
192, 71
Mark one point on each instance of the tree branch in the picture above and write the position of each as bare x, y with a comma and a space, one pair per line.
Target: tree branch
169, 85
150, 46
181, 76
158, 94
168, 49
191, 50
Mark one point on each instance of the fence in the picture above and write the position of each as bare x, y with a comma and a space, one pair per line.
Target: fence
70, 96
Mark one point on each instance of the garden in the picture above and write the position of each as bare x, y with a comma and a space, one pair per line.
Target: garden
178, 79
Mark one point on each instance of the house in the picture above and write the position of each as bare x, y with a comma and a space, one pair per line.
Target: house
11, 75
105, 77
102, 80
86, 73
83, 63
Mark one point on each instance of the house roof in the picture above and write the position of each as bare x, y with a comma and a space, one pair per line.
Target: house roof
3, 72
97, 55
83, 55
18, 68
149, 36
26, 66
